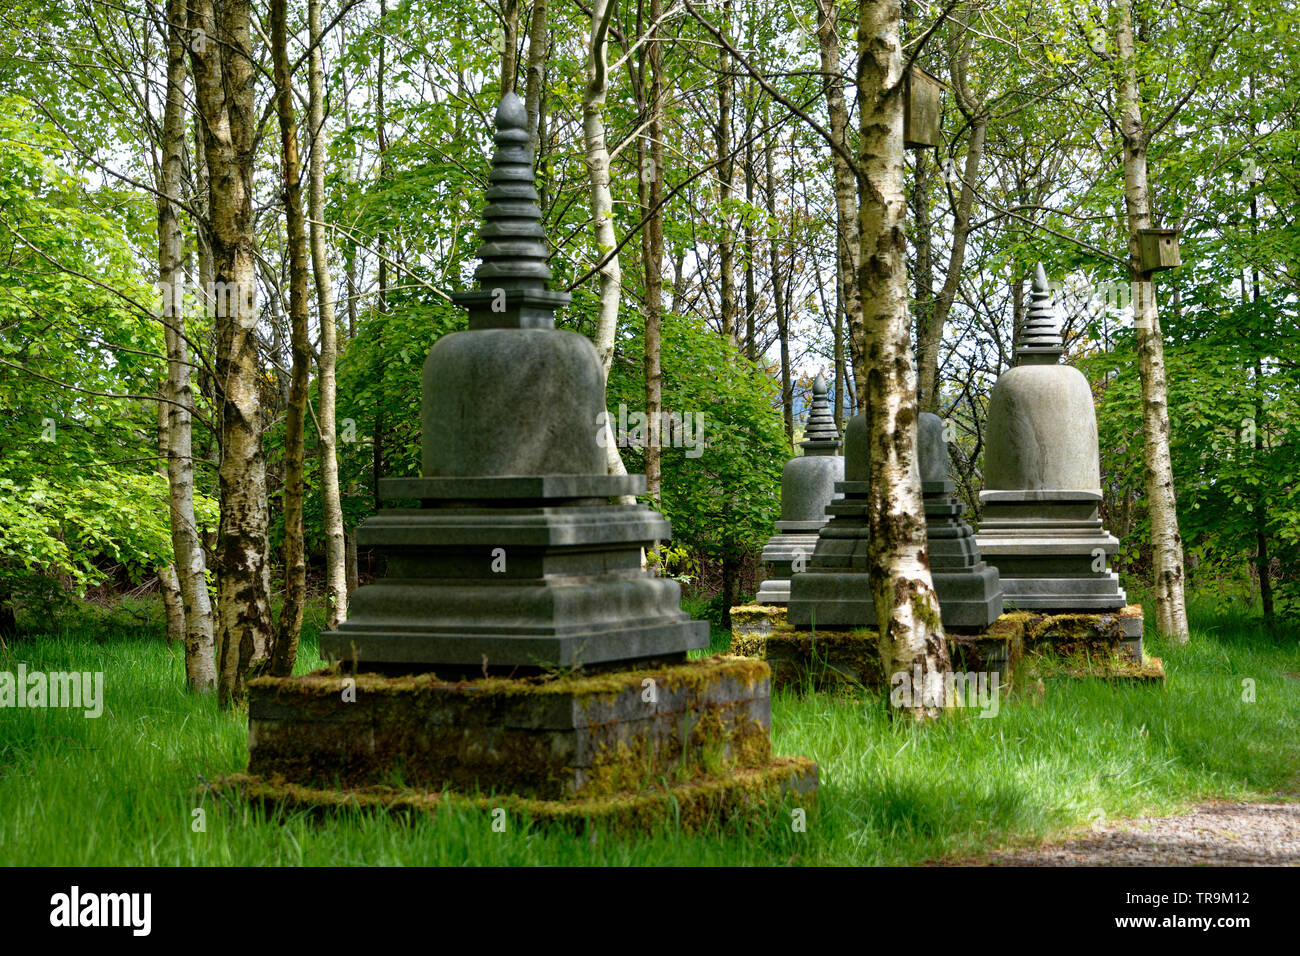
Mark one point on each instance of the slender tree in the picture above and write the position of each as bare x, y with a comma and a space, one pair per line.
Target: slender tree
289, 625
224, 70
190, 561
336, 585
910, 632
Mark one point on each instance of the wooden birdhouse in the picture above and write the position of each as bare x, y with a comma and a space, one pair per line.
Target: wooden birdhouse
1158, 249
922, 109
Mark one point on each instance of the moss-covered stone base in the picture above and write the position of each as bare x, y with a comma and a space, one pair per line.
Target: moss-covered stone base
745, 796
826, 660
545, 738
833, 660
1082, 645
1084, 664
1067, 635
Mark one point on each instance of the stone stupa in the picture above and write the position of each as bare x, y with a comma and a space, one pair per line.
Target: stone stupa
1042, 479
807, 487
834, 592
516, 562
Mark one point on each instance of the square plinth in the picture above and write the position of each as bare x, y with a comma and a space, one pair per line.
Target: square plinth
550, 738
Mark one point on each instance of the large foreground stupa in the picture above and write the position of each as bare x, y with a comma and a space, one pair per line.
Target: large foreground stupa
516, 562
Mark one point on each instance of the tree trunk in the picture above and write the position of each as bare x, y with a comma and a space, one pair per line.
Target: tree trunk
846, 211
509, 45
726, 177
224, 75
751, 245
927, 342
941, 308
168, 582
778, 297
336, 585
936, 314
536, 68
289, 626
1166, 542
175, 419
602, 202
377, 466
353, 569
652, 244
911, 634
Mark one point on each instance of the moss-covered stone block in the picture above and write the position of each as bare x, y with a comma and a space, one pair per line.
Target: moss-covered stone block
832, 660
1066, 635
996, 651
1085, 663
746, 796
546, 738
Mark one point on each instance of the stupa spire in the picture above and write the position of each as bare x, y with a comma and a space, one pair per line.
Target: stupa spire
1040, 340
820, 434
512, 275
513, 251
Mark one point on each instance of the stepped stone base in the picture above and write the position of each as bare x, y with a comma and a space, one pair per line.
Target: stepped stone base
1080, 645
602, 745
796, 540
835, 591
745, 795
1046, 546
515, 575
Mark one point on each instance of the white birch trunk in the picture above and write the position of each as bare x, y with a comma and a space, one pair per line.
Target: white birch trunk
190, 561
911, 634
336, 582
602, 202
1166, 542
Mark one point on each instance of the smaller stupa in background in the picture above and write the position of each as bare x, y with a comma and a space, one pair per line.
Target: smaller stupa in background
834, 593
807, 487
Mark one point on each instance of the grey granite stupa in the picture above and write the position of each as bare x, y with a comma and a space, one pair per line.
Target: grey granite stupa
1042, 478
834, 592
515, 562
807, 487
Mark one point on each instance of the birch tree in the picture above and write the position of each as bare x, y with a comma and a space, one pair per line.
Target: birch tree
846, 211
285, 648
1166, 542
336, 584
596, 155
190, 560
652, 237
221, 59
911, 636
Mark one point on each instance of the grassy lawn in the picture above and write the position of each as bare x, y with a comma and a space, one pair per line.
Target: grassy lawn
121, 789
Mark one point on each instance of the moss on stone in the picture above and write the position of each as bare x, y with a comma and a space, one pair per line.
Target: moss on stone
696, 673
1084, 663
542, 738
832, 660
693, 804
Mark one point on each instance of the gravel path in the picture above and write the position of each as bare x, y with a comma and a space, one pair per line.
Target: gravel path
1222, 834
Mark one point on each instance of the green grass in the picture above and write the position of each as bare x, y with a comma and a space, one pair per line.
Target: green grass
120, 790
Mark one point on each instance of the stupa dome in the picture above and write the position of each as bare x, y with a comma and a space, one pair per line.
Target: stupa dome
1042, 426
